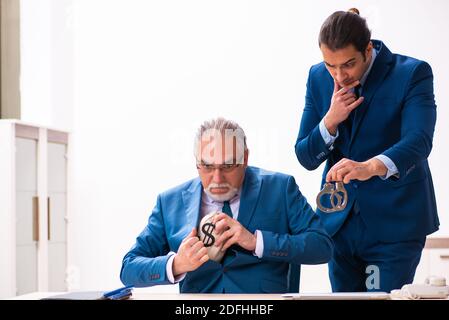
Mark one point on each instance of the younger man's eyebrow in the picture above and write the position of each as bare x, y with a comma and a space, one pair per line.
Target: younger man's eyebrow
349, 61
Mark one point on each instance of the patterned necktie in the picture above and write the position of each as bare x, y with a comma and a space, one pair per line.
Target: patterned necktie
227, 209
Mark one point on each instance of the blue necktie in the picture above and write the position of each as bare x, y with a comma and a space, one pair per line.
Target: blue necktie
357, 91
229, 253
351, 118
227, 209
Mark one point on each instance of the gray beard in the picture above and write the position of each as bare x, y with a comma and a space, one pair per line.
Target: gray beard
222, 197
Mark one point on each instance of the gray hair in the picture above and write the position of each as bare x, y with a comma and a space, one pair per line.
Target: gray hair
222, 126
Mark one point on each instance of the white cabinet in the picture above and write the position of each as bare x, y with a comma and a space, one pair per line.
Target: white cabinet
33, 208
434, 260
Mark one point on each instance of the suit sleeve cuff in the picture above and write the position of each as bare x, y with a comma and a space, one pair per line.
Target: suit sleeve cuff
327, 137
169, 270
391, 167
259, 244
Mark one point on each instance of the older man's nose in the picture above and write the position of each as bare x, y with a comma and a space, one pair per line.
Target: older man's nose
218, 176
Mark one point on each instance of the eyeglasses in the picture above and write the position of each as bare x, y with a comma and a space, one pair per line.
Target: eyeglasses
209, 168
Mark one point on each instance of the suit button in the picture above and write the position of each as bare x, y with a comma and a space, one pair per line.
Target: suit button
355, 185
225, 269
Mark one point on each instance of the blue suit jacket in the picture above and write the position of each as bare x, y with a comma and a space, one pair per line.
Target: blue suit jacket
270, 202
397, 119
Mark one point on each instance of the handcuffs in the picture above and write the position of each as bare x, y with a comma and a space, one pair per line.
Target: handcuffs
338, 197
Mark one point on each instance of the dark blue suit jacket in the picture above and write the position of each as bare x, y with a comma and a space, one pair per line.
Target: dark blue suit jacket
396, 119
270, 202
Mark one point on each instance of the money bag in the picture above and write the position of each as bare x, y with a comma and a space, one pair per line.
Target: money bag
207, 234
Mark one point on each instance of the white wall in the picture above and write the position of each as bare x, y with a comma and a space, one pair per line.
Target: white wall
47, 79
146, 73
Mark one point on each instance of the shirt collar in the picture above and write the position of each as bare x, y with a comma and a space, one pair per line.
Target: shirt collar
365, 75
208, 200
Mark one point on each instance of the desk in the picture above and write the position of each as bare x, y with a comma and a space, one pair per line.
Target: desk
211, 296
167, 296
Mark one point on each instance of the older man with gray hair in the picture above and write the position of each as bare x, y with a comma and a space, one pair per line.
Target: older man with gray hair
233, 229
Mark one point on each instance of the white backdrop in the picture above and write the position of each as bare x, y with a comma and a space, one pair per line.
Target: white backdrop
133, 79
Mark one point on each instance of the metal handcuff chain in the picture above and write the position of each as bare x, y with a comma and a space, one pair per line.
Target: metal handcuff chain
338, 197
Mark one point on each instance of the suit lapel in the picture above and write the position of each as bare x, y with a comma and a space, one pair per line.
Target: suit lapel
249, 197
192, 200
375, 78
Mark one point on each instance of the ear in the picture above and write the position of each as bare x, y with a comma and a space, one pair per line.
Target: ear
368, 49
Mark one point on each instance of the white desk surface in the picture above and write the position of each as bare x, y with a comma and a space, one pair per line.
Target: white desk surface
168, 296
185, 296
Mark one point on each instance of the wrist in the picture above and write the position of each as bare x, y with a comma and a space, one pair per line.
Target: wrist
177, 267
377, 167
254, 241
330, 125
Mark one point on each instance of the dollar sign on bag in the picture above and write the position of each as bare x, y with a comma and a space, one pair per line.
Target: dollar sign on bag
208, 237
